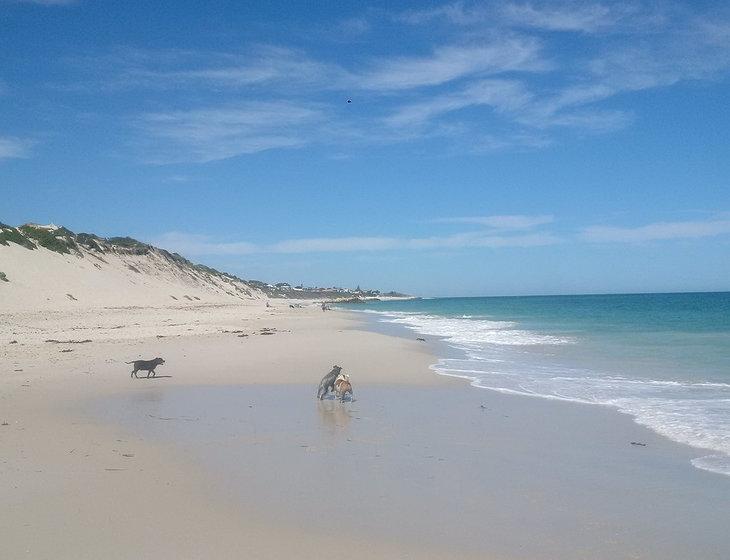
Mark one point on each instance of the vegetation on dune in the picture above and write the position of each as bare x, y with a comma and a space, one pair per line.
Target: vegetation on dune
132, 245
3, 278
9, 233
182, 262
59, 240
90, 241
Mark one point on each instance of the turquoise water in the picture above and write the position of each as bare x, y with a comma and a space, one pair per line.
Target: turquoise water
663, 358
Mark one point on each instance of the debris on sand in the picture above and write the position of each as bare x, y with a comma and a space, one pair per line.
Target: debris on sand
640, 444
67, 350
13, 342
55, 341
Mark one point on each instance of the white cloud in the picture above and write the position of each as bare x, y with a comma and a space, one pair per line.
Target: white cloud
561, 16
493, 80
452, 62
455, 12
204, 135
502, 95
696, 50
515, 104
552, 15
259, 66
196, 245
516, 221
44, 2
657, 231
262, 65
11, 147
353, 26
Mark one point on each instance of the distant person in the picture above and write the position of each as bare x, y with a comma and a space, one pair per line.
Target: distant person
324, 306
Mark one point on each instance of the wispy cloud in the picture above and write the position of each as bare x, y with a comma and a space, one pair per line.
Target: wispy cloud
563, 16
257, 66
657, 231
353, 26
457, 13
514, 103
514, 221
498, 77
453, 62
272, 65
203, 135
43, 2
197, 245
498, 231
551, 15
501, 95
11, 147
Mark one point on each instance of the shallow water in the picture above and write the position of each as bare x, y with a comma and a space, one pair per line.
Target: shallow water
662, 358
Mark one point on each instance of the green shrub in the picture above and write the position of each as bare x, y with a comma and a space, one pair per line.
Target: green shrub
59, 240
132, 245
8, 233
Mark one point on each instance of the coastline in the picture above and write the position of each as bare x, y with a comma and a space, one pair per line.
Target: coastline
232, 454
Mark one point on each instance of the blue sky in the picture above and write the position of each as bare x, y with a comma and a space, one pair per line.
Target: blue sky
519, 147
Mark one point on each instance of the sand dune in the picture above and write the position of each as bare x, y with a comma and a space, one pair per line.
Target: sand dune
102, 274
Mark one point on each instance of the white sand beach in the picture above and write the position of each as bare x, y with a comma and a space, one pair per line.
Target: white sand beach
228, 454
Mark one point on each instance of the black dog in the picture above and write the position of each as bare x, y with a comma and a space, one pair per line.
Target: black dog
328, 382
145, 365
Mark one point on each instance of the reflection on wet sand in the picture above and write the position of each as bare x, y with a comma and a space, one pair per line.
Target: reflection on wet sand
334, 417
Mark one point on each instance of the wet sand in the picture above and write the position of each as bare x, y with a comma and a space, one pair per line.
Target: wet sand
465, 472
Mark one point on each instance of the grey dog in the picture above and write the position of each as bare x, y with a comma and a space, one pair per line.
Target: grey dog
145, 365
328, 382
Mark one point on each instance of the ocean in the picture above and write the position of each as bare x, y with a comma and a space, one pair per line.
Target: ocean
662, 358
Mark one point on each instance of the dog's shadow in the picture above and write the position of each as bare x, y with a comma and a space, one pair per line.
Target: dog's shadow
155, 377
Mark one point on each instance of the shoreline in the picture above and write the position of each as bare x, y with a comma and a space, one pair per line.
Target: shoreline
444, 351
201, 463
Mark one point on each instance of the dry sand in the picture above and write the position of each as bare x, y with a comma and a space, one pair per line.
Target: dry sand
227, 454
41, 279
